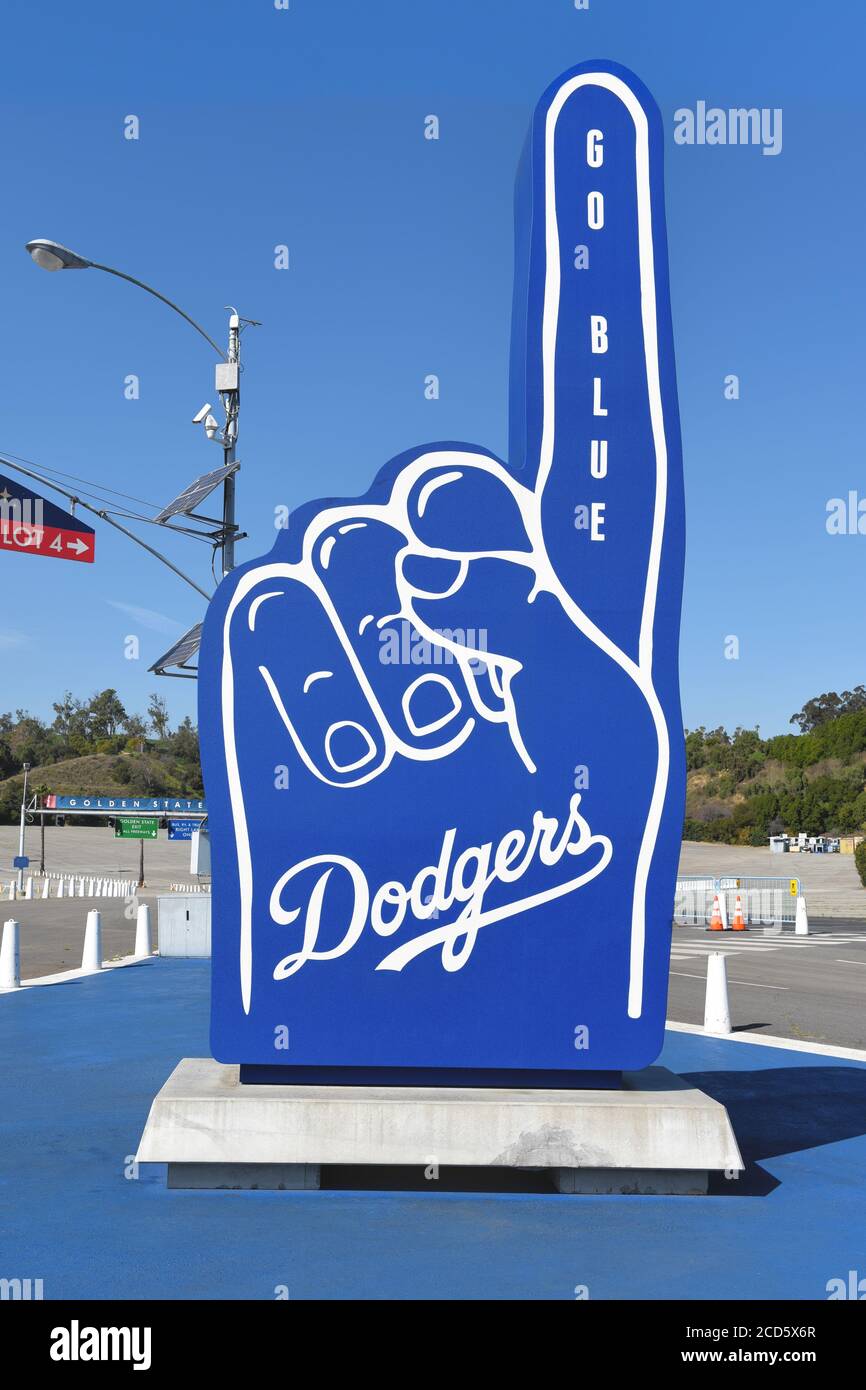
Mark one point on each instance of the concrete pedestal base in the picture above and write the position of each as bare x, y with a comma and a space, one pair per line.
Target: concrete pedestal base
656, 1134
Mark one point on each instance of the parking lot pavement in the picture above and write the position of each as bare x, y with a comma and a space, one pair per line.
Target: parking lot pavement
811, 988
93, 849
52, 933
830, 882
91, 1055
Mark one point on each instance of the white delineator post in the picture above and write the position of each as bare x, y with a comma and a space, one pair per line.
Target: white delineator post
91, 956
801, 921
717, 1014
28, 890
143, 944
10, 956
46, 888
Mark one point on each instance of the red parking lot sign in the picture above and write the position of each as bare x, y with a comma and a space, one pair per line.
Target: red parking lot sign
32, 525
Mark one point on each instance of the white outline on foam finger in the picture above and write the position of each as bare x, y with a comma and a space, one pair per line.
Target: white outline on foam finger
649, 318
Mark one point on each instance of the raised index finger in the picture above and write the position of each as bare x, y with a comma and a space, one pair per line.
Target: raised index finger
594, 422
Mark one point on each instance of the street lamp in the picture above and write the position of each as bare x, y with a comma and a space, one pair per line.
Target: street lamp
21, 830
50, 255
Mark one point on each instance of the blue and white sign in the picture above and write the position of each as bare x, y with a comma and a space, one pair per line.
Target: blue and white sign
441, 729
182, 829
144, 804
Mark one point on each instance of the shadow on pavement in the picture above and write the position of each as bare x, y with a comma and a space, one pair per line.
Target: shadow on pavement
784, 1110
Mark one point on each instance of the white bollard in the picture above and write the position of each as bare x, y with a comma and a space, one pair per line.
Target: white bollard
46, 888
717, 1015
10, 959
143, 944
90, 887
28, 890
91, 956
801, 921
12, 891
60, 888
80, 892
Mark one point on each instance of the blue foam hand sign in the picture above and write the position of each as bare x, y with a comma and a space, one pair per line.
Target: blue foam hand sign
441, 728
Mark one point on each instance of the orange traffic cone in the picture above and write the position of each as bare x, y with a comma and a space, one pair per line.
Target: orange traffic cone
738, 923
716, 919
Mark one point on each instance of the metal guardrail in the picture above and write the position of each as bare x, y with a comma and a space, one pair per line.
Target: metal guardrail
765, 901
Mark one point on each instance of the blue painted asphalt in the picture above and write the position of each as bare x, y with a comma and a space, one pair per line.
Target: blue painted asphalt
82, 1062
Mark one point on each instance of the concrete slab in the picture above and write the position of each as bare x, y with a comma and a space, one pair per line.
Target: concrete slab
656, 1124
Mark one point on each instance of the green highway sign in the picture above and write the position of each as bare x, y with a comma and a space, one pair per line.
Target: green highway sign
136, 828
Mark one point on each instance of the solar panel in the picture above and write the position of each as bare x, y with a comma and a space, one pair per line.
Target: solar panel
196, 492
181, 652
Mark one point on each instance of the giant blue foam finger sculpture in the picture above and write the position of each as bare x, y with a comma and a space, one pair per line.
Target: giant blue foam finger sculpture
441, 728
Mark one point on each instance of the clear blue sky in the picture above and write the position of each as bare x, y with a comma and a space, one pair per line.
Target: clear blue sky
305, 127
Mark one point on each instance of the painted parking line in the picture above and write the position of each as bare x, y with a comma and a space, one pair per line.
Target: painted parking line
699, 947
754, 983
734, 943
840, 961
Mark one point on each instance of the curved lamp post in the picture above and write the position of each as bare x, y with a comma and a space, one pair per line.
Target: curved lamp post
50, 255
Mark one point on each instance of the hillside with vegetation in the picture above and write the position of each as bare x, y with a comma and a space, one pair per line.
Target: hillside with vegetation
96, 746
743, 788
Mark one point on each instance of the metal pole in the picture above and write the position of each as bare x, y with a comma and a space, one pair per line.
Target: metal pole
232, 403
42, 844
21, 828
141, 863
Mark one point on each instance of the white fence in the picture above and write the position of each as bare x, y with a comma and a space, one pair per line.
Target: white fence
765, 901
59, 885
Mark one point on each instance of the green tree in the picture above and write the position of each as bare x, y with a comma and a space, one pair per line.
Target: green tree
157, 713
185, 741
824, 708
105, 714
